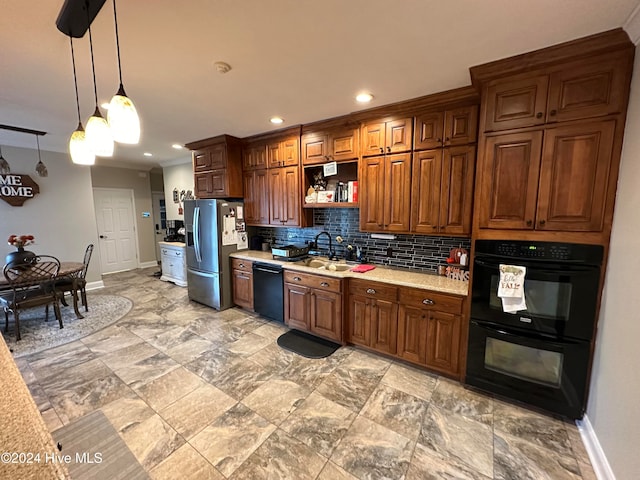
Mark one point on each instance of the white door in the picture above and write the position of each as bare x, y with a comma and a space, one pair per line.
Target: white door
116, 229
159, 220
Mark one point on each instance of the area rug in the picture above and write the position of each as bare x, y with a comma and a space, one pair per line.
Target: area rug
306, 345
97, 451
38, 335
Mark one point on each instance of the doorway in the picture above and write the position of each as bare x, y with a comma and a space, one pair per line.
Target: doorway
116, 229
159, 219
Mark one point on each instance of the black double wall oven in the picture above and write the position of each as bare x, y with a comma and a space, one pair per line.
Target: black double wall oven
540, 355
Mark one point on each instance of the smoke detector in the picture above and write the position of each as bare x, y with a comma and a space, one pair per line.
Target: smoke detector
222, 67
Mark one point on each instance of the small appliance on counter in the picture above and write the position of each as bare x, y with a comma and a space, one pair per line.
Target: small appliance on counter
175, 231
289, 253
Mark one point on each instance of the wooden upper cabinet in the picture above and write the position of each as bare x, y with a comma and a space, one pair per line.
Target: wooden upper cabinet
283, 153
387, 137
371, 193
256, 197
588, 90
254, 157
442, 190
284, 196
516, 102
509, 180
334, 145
217, 167
456, 190
429, 128
574, 174
452, 127
397, 192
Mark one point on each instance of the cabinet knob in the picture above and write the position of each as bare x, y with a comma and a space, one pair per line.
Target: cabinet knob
542, 222
424, 316
439, 140
381, 150
241, 265
388, 149
297, 279
539, 115
371, 291
447, 139
178, 253
324, 284
553, 113
428, 301
529, 223
434, 226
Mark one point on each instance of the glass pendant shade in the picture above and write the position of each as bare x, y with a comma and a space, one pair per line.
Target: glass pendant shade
98, 135
81, 153
4, 165
123, 119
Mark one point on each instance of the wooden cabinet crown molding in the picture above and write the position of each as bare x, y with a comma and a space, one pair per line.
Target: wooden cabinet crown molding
609, 41
208, 142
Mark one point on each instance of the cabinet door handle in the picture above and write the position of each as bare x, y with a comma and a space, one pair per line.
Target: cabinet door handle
529, 223
381, 150
428, 301
434, 226
297, 279
553, 113
539, 115
542, 222
178, 253
324, 284
371, 291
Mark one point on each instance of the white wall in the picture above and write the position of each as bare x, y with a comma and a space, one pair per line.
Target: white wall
61, 217
176, 176
614, 403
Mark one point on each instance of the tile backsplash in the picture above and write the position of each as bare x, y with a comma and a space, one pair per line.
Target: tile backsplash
424, 252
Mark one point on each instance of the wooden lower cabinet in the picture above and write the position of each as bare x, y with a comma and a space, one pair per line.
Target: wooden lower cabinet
420, 326
242, 279
313, 303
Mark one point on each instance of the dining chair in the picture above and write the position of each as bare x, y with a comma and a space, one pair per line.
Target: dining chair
31, 286
67, 284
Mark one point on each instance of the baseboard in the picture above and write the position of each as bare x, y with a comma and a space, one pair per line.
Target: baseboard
598, 459
148, 264
94, 285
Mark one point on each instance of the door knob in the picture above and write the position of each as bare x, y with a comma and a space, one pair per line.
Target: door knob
539, 115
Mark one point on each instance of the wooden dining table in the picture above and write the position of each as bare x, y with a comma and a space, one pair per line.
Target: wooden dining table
68, 270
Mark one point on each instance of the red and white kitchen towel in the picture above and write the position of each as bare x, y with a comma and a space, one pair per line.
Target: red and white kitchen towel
511, 288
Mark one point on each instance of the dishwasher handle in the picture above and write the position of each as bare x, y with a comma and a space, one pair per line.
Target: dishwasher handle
267, 268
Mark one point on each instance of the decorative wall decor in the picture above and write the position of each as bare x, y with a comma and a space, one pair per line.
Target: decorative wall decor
15, 189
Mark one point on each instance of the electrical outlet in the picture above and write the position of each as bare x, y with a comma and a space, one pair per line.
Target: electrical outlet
389, 252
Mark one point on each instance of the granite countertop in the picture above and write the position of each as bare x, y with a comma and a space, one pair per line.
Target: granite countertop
406, 278
23, 429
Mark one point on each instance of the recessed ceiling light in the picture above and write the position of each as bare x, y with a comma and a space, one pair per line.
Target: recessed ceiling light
276, 120
364, 97
105, 105
177, 146
147, 154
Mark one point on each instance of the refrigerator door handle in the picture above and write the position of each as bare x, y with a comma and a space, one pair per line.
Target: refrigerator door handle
196, 233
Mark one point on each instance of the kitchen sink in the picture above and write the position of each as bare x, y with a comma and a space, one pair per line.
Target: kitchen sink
325, 265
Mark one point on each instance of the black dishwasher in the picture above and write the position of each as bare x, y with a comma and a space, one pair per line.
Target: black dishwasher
268, 291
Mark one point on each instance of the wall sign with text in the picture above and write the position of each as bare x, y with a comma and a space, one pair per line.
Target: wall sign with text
15, 189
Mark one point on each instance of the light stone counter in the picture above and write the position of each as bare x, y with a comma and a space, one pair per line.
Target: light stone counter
23, 430
406, 278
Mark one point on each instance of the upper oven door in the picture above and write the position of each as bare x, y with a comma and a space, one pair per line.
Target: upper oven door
561, 298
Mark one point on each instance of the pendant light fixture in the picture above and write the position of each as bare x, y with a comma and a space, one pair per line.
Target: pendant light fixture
79, 148
41, 169
98, 133
122, 115
5, 169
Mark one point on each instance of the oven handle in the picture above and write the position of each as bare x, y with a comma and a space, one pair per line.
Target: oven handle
546, 271
507, 333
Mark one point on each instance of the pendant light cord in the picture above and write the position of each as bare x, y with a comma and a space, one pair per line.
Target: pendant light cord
115, 20
75, 78
93, 68
38, 143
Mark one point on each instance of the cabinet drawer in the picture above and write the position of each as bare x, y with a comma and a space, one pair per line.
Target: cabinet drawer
431, 300
242, 265
314, 281
376, 290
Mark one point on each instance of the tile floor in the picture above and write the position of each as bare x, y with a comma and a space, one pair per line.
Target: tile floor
197, 393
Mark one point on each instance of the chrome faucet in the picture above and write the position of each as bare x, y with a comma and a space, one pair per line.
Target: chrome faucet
332, 254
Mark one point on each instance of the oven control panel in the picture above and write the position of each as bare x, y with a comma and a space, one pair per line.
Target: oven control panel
550, 251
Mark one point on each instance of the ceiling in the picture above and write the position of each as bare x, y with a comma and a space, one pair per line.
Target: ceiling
303, 60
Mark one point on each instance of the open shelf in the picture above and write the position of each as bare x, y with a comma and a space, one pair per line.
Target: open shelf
347, 171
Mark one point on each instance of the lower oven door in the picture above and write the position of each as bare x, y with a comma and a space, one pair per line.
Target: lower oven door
545, 373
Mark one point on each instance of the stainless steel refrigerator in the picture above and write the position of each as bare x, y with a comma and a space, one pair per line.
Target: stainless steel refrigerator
214, 229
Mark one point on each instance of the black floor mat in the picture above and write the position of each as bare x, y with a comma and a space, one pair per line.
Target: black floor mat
307, 345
